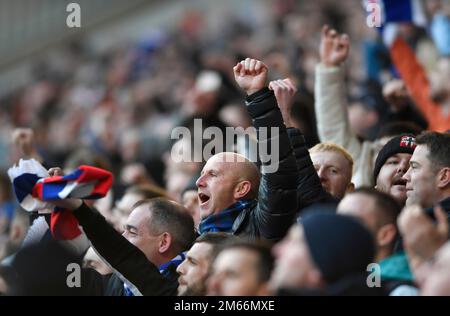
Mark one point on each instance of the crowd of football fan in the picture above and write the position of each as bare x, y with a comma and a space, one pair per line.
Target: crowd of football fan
362, 177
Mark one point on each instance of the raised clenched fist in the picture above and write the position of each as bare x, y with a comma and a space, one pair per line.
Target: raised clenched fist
284, 91
334, 47
251, 75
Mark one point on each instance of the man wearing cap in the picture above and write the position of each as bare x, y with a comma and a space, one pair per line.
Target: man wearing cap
391, 165
324, 254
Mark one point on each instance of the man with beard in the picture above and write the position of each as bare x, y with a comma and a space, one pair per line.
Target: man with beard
391, 165
196, 268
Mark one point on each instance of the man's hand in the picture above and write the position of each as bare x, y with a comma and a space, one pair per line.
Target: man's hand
396, 94
334, 47
251, 75
69, 204
422, 237
53, 172
284, 91
23, 138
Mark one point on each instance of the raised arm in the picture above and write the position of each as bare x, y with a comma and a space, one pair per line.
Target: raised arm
123, 256
418, 85
309, 188
331, 104
277, 202
24, 141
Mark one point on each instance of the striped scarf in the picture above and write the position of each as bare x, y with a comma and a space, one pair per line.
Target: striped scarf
164, 269
33, 187
223, 221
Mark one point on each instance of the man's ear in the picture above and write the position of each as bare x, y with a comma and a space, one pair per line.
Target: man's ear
165, 242
443, 178
386, 235
242, 189
350, 188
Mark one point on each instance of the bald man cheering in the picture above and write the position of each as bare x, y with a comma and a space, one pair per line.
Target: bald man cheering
231, 197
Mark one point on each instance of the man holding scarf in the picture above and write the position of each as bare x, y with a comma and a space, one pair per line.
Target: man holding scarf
231, 197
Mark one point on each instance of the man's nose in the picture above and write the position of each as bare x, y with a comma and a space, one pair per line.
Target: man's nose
200, 182
402, 168
322, 174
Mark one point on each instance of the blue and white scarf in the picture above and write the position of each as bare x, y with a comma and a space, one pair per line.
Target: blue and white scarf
164, 269
223, 221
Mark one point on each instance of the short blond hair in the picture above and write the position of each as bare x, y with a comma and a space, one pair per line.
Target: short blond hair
323, 147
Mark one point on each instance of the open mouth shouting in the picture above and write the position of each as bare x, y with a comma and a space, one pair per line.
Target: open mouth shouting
203, 199
399, 184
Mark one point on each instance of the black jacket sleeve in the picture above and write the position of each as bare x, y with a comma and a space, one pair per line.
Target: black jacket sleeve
309, 188
277, 202
123, 256
95, 284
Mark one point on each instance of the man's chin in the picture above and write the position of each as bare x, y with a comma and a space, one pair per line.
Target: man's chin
188, 291
204, 213
399, 195
181, 290
412, 199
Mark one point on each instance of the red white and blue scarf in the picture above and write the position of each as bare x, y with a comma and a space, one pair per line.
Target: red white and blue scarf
33, 187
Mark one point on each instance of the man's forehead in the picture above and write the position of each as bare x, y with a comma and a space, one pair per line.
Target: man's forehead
328, 158
421, 149
139, 215
405, 156
219, 164
227, 157
200, 250
235, 256
212, 164
420, 153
